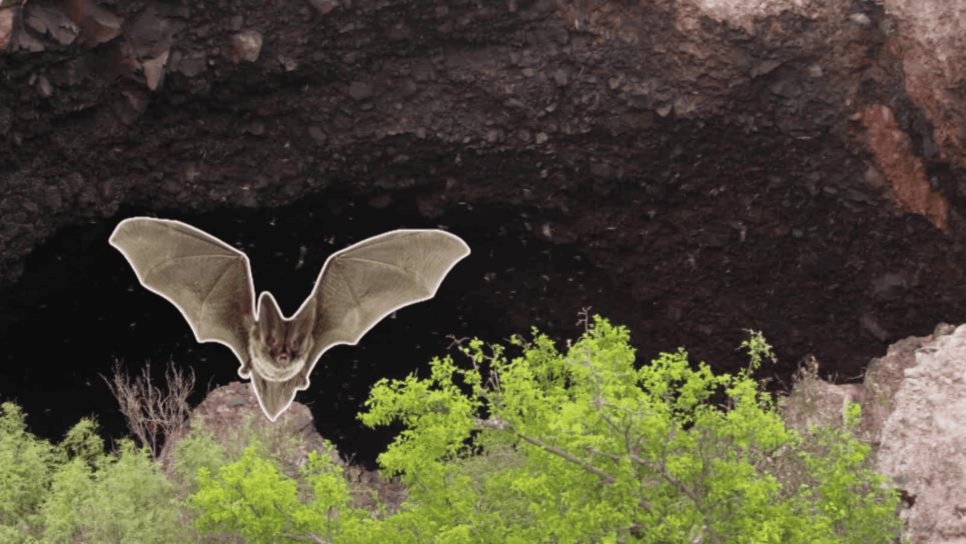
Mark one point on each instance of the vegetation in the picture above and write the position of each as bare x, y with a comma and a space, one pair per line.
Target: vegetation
75, 492
572, 445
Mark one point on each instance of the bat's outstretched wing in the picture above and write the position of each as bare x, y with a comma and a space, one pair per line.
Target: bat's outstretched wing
209, 281
367, 281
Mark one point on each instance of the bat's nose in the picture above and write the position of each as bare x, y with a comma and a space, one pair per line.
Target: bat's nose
283, 357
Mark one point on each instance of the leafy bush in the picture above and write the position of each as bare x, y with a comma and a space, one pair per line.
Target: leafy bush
76, 493
574, 446
251, 496
26, 463
123, 498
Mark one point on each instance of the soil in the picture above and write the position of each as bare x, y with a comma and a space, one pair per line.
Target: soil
685, 175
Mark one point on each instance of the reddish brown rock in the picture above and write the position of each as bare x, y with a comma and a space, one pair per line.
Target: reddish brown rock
901, 167
6, 26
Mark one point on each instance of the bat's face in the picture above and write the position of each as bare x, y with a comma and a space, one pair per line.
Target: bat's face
279, 348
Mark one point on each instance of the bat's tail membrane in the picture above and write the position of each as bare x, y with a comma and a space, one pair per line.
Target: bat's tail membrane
274, 397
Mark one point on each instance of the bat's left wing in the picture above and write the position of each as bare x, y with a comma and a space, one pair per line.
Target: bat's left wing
209, 281
367, 281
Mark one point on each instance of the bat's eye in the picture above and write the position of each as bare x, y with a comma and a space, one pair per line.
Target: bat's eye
272, 341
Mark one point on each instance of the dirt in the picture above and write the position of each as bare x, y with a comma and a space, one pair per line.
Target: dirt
684, 169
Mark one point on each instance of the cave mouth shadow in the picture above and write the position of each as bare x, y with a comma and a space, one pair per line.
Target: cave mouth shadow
80, 296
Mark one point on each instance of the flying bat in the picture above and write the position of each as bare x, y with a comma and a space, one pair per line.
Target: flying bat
210, 282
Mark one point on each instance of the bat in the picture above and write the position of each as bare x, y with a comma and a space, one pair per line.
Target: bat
210, 282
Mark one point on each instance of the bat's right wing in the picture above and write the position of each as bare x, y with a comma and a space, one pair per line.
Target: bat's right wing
209, 281
365, 282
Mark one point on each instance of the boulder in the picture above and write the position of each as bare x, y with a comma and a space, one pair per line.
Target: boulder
231, 413
913, 407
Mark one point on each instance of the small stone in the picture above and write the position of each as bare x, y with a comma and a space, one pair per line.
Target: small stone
359, 90
528, 72
246, 46
26, 42
288, 63
53, 22
542, 137
561, 77
154, 70
103, 25
492, 136
324, 7
192, 64
814, 70
765, 67
317, 135
44, 87
860, 19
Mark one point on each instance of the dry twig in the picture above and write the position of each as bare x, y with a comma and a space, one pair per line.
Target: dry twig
153, 414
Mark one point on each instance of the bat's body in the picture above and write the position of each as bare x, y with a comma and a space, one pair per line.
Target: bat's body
210, 282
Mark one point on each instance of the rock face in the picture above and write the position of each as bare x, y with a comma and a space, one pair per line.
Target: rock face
923, 441
929, 39
913, 406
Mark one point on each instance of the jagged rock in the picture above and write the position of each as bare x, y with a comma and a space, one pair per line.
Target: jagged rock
246, 46
97, 24
923, 441
231, 407
154, 70
913, 405
324, 7
52, 22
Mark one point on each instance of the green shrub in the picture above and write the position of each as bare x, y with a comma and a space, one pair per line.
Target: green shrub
575, 446
253, 497
118, 498
76, 493
197, 449
26, 464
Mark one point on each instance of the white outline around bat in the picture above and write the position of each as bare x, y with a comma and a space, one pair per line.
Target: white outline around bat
255, 304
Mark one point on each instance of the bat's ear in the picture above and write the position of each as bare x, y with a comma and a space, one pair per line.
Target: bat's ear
268, 310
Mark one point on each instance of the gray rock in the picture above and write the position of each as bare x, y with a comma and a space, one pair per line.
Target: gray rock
359, 90
913, 407
233, 407
324, 7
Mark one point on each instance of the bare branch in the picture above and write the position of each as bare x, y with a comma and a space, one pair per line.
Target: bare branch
153, 414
